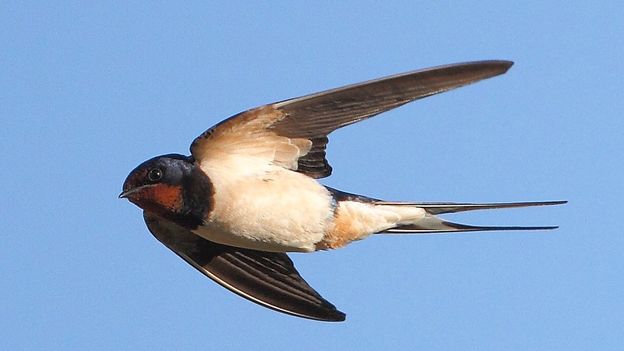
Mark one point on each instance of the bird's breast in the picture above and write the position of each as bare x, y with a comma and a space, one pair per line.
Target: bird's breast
279, 211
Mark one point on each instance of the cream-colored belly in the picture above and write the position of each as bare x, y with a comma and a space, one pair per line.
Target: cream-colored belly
279, 211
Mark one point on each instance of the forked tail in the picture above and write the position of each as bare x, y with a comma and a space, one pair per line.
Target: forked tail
356, 217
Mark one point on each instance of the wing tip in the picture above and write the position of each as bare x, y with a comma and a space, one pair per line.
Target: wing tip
335, 316
340, 317
506, 64
325, 312
328, 315
489, 68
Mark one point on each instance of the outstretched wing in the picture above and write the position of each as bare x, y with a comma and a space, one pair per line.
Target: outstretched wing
266, 278
293, 133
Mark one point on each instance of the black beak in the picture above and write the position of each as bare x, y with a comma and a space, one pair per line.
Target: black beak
127, 193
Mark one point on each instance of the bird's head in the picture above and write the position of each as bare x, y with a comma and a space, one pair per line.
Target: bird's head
172, 187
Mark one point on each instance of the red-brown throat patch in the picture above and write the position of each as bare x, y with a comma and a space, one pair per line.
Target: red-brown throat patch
158, 198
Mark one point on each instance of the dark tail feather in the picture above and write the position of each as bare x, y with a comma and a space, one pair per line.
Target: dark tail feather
436, 208
434, 225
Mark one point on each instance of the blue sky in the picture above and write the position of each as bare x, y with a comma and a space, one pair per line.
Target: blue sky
88, 91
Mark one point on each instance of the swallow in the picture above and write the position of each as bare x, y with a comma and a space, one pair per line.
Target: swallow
248, 194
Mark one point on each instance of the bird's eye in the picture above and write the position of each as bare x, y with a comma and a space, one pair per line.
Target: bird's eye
154, 174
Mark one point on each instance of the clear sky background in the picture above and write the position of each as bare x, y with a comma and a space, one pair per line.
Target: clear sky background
88, 91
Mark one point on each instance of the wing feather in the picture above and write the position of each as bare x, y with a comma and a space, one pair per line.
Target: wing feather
306, 121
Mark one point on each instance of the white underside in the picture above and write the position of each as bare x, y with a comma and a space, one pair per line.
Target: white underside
277, 210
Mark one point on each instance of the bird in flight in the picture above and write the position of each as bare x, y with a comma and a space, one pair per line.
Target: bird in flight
248, 193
